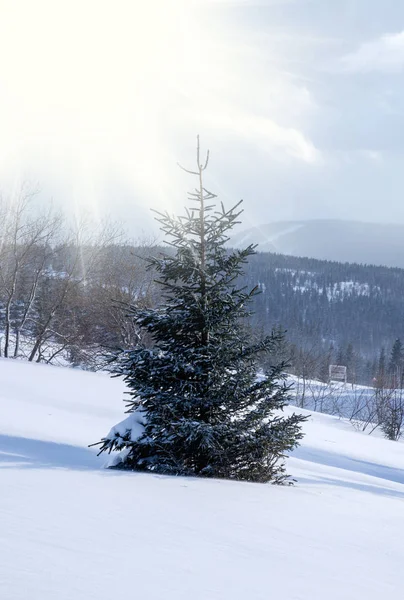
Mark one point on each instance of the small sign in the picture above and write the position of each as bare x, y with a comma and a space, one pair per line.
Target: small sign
337, 373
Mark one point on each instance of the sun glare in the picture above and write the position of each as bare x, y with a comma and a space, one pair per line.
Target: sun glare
100, 95
97, 82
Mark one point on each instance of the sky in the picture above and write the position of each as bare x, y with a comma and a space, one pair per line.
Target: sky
299, 101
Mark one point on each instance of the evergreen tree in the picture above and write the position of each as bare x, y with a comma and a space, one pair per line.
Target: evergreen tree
382, 362
326, 361
197, 407
381, 371
340, 359
396, 363
370, 372
392, 414
350, 363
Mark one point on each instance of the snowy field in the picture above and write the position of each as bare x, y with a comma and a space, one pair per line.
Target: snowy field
335, 398
70, 530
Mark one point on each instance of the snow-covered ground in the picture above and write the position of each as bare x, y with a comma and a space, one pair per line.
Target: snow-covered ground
333, 398
70, 530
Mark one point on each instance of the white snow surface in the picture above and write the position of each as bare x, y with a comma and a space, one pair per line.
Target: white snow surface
71, 530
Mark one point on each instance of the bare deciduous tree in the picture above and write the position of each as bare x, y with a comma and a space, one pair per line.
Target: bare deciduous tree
26, 240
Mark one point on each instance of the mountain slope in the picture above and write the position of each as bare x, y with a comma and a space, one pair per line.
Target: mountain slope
322, 302
344, 241
72, 530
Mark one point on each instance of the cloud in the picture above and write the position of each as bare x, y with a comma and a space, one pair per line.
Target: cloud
98, 102
383, 54
130, 81
281, 143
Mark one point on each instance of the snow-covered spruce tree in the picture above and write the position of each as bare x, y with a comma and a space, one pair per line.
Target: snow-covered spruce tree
197, 407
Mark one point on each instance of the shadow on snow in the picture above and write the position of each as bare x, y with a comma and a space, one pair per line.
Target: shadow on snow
25, 453
379, 490
330, 459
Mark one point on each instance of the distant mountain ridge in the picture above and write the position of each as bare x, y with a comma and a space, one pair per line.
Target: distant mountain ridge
329, 239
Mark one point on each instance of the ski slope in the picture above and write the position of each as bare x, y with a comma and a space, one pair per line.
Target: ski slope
70, 530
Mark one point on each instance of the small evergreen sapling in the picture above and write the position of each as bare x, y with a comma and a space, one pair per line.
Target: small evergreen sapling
197, 407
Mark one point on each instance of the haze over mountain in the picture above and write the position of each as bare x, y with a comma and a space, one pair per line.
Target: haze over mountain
343, 241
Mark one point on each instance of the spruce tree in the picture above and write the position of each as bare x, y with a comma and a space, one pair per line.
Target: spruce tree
396, 363
196, 405
326, 361
380, 379
350, 360
381, 373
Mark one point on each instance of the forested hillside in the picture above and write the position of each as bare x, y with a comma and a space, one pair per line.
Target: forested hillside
341, 309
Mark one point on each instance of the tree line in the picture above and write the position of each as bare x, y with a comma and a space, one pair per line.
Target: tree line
63, 287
